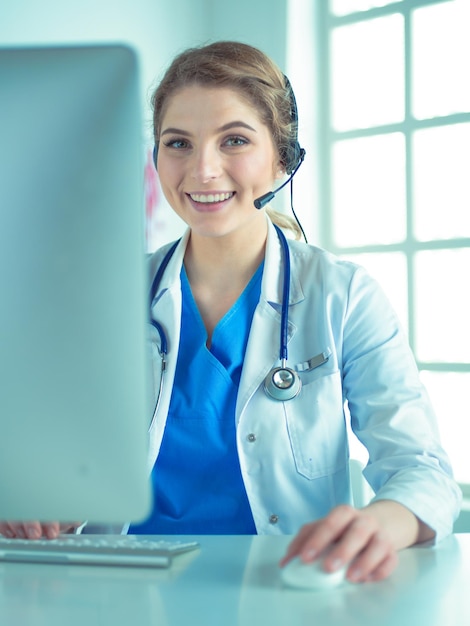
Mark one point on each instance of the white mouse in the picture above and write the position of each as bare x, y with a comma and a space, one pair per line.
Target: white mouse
311, 575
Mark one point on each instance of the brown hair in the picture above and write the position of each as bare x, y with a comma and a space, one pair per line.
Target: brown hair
250, 72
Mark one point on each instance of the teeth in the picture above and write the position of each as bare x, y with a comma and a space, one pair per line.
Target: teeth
210, 197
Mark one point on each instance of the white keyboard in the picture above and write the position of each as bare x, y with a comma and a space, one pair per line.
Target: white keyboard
112, 550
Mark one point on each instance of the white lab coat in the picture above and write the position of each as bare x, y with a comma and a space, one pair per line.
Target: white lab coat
294, 455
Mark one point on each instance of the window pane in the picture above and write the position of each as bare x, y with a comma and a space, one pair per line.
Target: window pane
442, 306
345, 7
389, 269
440, 59
367, 76
368, 190
449, 394
441, 182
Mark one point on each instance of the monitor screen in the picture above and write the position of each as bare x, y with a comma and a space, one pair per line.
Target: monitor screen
74, 392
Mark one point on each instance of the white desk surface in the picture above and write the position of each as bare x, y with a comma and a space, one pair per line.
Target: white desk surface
234, 581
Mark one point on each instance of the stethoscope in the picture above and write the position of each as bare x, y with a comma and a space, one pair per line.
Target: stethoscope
282, 383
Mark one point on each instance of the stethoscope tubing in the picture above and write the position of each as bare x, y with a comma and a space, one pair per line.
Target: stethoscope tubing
285, 297
163, 349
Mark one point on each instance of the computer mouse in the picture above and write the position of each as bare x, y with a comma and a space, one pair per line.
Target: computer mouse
302, 575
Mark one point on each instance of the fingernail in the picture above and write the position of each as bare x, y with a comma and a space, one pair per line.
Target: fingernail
355, 575
336, 564
309, 555
32, 533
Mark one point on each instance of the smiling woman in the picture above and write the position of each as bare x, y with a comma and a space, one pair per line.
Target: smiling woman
257, 81
259, 342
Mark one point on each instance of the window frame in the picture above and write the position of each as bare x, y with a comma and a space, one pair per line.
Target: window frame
326, 22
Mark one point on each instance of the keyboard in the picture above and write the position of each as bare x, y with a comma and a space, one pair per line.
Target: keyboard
111, 550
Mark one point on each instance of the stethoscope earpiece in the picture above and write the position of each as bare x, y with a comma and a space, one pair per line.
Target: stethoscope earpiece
282, 383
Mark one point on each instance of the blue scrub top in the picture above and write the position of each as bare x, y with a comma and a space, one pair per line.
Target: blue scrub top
197, 482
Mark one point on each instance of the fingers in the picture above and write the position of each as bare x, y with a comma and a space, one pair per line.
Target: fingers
296, 547
384, 570
19, 530
375, 561
51, 530
33, 530
350, 538
360, 539
6, 530
314, 538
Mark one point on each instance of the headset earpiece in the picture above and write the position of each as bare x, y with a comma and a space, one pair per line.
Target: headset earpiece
293, 153
292, 156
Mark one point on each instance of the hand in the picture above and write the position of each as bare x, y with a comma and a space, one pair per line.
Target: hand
35, 530
360, 540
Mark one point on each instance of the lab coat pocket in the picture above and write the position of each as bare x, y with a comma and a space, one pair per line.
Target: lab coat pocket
316, 426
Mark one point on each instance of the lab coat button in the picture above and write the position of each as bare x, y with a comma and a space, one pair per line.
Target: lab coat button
273, 519
251, 437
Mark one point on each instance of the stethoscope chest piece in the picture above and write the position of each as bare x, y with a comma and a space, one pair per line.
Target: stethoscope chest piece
282, 383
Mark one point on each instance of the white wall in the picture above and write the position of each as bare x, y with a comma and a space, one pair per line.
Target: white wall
261, 23
156, 29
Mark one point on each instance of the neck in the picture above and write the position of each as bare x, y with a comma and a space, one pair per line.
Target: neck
218, 270
230, 259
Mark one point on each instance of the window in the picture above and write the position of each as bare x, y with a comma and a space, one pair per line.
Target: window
394, 176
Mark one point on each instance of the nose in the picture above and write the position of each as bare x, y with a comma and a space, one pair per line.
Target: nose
207, 164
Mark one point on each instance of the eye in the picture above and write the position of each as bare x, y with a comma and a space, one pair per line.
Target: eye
177, 144
236, 141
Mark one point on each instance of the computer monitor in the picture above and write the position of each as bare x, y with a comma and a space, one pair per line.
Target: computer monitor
74, 393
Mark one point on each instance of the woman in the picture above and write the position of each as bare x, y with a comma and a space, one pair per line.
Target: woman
232, 452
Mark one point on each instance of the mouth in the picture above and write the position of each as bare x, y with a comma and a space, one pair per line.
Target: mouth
211, 198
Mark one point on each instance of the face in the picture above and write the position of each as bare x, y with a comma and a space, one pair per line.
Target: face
215, 157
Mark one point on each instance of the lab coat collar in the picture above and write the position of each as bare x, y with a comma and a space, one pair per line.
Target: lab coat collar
172, 273
273, 281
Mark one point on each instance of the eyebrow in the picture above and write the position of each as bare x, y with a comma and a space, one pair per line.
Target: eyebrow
225, 127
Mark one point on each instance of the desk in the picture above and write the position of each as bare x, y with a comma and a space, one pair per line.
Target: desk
234, 581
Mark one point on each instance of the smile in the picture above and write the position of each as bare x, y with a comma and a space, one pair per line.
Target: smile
210, 197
